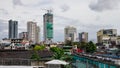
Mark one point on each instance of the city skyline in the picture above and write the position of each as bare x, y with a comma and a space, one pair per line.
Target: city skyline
87, 16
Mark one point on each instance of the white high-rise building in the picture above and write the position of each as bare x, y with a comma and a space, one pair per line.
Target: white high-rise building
33, 32
70, 33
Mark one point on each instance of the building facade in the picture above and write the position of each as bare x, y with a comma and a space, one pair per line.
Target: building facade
70, 33
37, 34
23, 35
48, 27
83, 37
107, 36
13, 29
118, 40
33, 31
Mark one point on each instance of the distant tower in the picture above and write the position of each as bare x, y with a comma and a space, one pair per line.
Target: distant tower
23, 35
83, 37
13, 29
70, 33
48, 26
37, 34
33, 32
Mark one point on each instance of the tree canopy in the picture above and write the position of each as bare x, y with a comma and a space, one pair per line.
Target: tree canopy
87, 47
35, 56
58, 52
90, 47
39, 47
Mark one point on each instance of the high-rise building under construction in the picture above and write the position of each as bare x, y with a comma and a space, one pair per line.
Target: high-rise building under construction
48, 27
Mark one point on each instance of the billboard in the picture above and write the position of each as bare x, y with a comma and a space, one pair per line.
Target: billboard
49, 27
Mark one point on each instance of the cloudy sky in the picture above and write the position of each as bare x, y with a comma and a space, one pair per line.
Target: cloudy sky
86, 15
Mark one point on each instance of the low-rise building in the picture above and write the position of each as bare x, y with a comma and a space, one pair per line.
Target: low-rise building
107, 37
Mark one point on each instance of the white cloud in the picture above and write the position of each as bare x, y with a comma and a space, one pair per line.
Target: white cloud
17, 2
101, 5
32, 3
64, 8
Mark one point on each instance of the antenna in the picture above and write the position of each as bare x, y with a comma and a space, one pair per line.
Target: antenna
48, 10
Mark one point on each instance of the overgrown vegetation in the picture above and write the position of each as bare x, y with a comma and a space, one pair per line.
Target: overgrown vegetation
36, 49
89, 47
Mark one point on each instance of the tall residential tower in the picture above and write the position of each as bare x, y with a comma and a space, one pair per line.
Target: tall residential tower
70, 33
33, 32
83, 37
13, 29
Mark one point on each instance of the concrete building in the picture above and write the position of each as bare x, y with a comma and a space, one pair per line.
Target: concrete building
118, 40
33, 32
38, 34
70, 33
23, 35
83, 37
48, 27
13, 29
107, 36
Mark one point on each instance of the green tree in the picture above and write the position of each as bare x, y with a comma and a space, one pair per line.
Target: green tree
83, 45
76, 43
67, 58
80, 45
58, 52
39, 47
90, 47
35, 55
